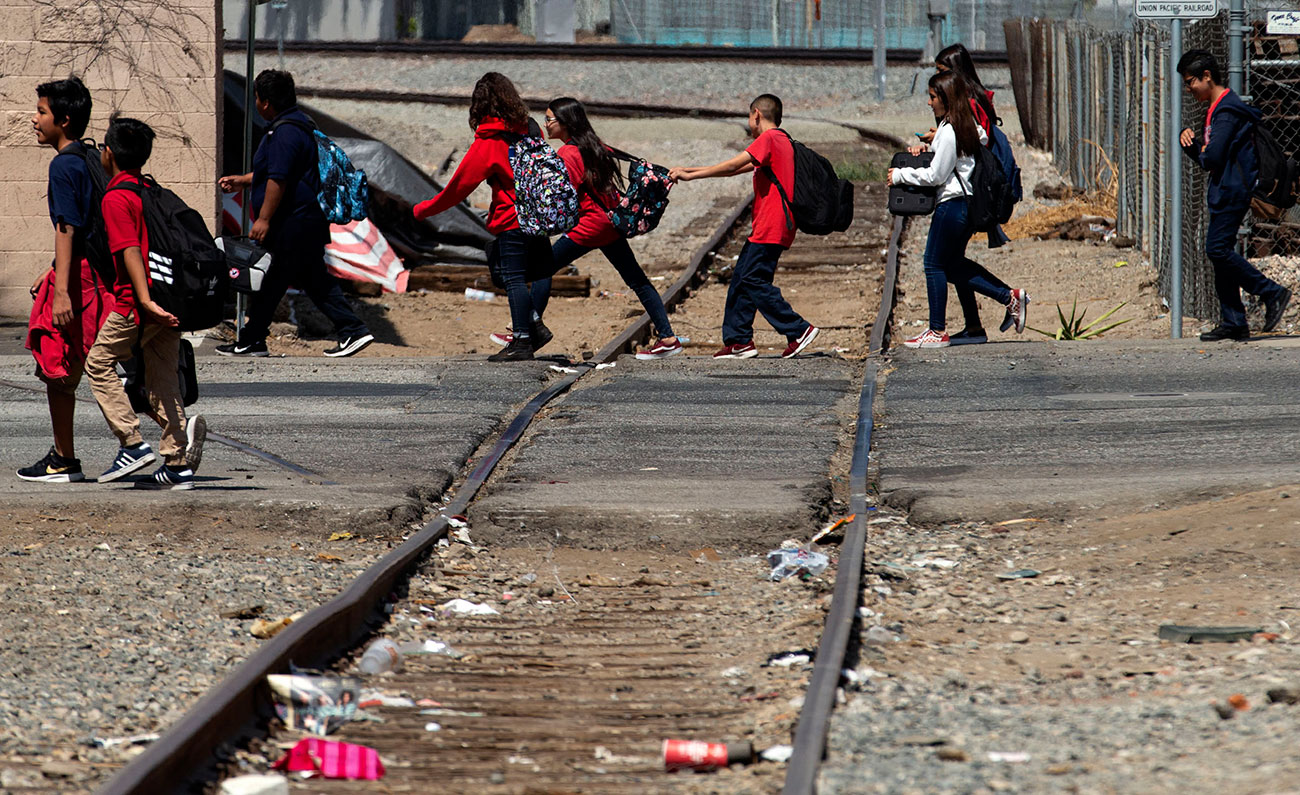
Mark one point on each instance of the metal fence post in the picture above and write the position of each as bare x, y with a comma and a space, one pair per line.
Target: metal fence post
1175, 184
1236, 27
878, 50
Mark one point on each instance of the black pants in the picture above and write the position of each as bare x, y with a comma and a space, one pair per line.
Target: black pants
304, 268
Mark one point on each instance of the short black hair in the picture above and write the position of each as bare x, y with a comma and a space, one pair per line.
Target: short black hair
68, 99
1195, 63
276, 87
768, 106
131, 141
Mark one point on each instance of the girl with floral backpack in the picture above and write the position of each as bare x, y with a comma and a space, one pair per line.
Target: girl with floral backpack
594, 172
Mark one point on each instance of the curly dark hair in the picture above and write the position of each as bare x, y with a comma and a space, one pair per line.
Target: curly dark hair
496, 97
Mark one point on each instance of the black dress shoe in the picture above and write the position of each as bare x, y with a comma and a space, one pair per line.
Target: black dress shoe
1274, 309
969, 336
1222, 332
517, 351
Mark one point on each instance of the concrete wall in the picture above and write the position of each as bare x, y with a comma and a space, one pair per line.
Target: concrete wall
316, 20
156, 60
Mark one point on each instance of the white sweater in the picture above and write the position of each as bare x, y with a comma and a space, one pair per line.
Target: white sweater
946, 169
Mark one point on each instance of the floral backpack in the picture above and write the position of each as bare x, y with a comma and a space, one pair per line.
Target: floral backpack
545, 201
643, 203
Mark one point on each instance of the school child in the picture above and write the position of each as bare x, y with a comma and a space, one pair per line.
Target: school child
770, 156
68, 300
285, 182
498, 115
1225, 147
136, 320
956, 137
594, 172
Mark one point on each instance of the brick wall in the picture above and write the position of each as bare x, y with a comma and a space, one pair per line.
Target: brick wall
155, 60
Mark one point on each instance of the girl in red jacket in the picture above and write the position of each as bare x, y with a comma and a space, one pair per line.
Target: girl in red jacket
594, 172
497, 115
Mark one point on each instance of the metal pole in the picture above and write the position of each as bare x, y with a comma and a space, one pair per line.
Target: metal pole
249, 110
776, 28
878, 50
1175, 184
1236, 27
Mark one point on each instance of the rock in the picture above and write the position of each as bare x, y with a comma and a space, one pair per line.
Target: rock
952, 755
1018, 637
1284, 695
58, 769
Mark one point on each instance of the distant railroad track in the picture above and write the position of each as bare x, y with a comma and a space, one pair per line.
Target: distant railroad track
191, 752
896, 56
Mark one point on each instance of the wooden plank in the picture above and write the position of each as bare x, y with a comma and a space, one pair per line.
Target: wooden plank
456, 278
1016, 33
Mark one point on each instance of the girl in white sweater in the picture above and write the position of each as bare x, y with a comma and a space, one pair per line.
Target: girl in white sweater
957, 138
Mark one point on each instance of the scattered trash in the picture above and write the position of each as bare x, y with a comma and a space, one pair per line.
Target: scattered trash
1264, 637
1121, 263
332, 760
1019, 574
255, 784
135, 739
478, 295
697, 755
263, 628
341, 536
1010, 522
557, 368
377, 698
452, 713
832, 527
788, 562
104, 547
380, 657
429, 646
608, 365
778, 753
1239, 702
787, 659
1284, 695
603, 754
252, 611
1009, 756
433, 727
457, 521
1185, 634
466, 608
734, 672
317, 704
936, 563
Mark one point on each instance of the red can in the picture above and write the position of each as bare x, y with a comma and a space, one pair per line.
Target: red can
698, 755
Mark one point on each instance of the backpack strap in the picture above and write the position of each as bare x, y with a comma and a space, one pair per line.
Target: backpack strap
309, 126
771, 175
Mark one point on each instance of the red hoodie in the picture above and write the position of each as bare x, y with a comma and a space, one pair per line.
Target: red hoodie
488, 159
982, 118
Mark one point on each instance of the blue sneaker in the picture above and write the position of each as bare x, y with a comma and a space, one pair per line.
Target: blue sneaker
129, 459
168, 478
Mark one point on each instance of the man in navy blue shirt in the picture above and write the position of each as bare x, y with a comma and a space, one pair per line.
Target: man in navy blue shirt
290, 223
1225, 147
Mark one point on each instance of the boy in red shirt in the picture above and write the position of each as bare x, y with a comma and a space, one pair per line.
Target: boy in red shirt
136, 319
771, 156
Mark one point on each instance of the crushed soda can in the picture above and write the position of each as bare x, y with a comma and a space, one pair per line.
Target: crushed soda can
702, 756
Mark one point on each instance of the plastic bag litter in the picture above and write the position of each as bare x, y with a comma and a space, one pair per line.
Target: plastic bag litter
788, 562
429, 646
135, 739
315, 703
468, 608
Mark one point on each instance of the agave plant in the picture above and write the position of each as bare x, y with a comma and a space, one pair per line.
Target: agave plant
1072, 328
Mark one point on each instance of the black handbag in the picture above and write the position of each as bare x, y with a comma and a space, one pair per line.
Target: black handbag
912, 199
131, 372
247, 260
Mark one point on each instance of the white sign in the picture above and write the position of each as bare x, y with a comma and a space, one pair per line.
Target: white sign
1284, 23
1176, 9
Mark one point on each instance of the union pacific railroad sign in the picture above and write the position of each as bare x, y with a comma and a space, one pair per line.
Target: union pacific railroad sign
1176, 9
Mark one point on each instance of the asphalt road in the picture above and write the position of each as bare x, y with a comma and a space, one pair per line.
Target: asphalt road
998, 431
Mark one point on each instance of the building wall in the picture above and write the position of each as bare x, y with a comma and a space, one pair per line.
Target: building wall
319, 20
156, 60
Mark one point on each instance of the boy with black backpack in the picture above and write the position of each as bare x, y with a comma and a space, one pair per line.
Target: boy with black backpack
69, 300
772, 159
1226, 148
136, 320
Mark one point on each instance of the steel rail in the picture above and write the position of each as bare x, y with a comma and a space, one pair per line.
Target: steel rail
819, 701
459, 49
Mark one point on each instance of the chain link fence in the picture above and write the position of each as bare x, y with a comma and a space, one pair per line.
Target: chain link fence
1273, 86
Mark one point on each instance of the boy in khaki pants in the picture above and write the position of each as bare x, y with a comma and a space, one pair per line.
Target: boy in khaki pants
136, 318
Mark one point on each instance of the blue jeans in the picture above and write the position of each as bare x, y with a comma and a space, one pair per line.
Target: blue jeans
620, 255
946, 261
516, 259
751, 291
1233, 272
304, 268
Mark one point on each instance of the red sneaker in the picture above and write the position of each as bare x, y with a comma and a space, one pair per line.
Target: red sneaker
1018, 307
796, 346
661, 350
740, 350
502, 338
929, 339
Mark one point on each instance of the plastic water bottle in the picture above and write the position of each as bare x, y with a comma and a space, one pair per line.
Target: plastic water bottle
479, 295
382, 655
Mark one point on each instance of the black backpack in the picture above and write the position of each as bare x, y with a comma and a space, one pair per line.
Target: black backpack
94, 240
1278, 175
991, 198
821, 202
187, 272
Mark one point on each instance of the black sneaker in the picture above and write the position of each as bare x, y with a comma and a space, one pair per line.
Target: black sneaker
237, 349
1222, 332
541, 335
1274, 309
53, 468
128, 460
517, 351
350, 345
968, 336
168, 478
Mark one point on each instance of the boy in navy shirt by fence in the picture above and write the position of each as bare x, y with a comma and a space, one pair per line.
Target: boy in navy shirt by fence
751, 289
1226, 149
69, 300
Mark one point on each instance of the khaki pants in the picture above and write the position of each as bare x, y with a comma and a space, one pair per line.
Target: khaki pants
160, 349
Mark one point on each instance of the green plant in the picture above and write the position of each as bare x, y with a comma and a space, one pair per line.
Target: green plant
1073, 328
858, 171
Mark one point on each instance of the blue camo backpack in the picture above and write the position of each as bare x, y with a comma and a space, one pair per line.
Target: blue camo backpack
545, 200
344, 191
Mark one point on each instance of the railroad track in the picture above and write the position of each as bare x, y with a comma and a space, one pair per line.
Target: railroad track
567, 660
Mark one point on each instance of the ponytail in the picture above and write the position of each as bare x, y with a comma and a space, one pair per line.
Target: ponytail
600, 171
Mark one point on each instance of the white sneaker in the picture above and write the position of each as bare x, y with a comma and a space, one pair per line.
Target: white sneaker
929, 339
196, 432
